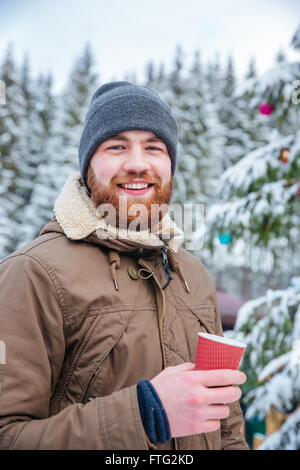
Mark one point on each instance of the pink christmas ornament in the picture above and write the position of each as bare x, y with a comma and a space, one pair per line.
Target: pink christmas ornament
266, 109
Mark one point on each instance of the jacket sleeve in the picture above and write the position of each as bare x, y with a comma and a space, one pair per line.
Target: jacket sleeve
232, 428
31, 329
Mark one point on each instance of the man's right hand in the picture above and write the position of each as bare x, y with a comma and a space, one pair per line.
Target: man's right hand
194, 400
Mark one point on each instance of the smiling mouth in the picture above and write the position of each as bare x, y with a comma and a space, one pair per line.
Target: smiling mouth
135, 186
135, 189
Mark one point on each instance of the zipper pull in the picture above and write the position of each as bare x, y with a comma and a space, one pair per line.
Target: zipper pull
166, 267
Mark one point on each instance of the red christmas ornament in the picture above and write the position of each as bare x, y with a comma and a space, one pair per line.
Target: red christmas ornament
266, 109
284, 155
298, 190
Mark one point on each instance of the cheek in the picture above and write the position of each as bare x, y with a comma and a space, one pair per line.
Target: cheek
104, 169
164, 170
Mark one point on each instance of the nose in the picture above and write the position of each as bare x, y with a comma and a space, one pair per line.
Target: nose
136, 161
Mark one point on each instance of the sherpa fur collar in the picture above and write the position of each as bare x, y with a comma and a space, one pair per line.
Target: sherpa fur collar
78, 217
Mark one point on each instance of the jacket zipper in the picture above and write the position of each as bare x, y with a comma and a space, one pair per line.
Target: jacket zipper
166, 267
161, 308
160, 300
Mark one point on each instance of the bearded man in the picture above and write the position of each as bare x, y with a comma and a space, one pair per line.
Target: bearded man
100, 314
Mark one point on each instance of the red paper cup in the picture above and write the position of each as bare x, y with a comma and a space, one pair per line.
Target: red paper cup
217, 352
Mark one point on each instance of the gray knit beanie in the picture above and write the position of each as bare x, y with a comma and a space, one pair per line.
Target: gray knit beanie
121, 106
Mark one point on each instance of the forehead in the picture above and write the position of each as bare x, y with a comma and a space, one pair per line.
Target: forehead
136, 135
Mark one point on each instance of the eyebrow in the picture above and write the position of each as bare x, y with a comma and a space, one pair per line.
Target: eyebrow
121, 137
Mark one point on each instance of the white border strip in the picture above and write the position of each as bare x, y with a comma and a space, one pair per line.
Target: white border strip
2, 352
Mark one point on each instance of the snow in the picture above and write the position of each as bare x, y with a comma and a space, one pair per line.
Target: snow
288, 438
296, 39
254, 165
274, 366
285, 73
228, 158
273, 352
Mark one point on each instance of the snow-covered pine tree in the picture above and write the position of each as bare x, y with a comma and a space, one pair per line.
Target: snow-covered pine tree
295, 43
201, 141
32, 133
259, 195
61, 151
270, 325
150, 77
229, 116
252, 127
74, 103
214, 78
30, 150
242, 127
41, 152
12, 114
173, 90
222, 91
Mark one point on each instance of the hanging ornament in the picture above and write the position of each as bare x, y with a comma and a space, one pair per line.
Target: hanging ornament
298, 191
266, 108
284, 155
224, 238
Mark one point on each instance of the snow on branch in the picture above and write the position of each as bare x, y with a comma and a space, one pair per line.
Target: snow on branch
254, 165
296, 39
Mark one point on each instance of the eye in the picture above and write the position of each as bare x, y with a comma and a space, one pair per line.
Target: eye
115, 147
151, 147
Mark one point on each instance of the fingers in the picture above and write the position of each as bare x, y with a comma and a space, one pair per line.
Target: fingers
186, 366
210, 425
217, 412
224, 395
203, 396
217, 378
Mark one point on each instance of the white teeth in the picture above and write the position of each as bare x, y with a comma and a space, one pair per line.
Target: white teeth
135, 186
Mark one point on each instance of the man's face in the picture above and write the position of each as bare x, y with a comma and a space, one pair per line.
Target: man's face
137, 158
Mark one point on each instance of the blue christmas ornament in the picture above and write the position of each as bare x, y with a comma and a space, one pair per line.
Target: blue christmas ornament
224, 238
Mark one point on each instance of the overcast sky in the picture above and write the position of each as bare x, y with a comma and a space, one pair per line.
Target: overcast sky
126, 34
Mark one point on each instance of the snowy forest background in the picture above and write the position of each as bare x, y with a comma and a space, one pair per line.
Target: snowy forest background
231, 159
219, 126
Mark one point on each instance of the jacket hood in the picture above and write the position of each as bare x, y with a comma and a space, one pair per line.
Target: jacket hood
78, 219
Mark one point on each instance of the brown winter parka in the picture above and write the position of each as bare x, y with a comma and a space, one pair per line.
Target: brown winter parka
84, 318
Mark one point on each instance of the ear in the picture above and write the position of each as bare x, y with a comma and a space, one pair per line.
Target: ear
89, 176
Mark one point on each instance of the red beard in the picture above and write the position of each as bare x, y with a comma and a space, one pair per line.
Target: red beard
147, 218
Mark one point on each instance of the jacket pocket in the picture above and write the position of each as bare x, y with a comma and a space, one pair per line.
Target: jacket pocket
101, 330
199, 317
92, 371
69, 390
205, 315
194, 319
